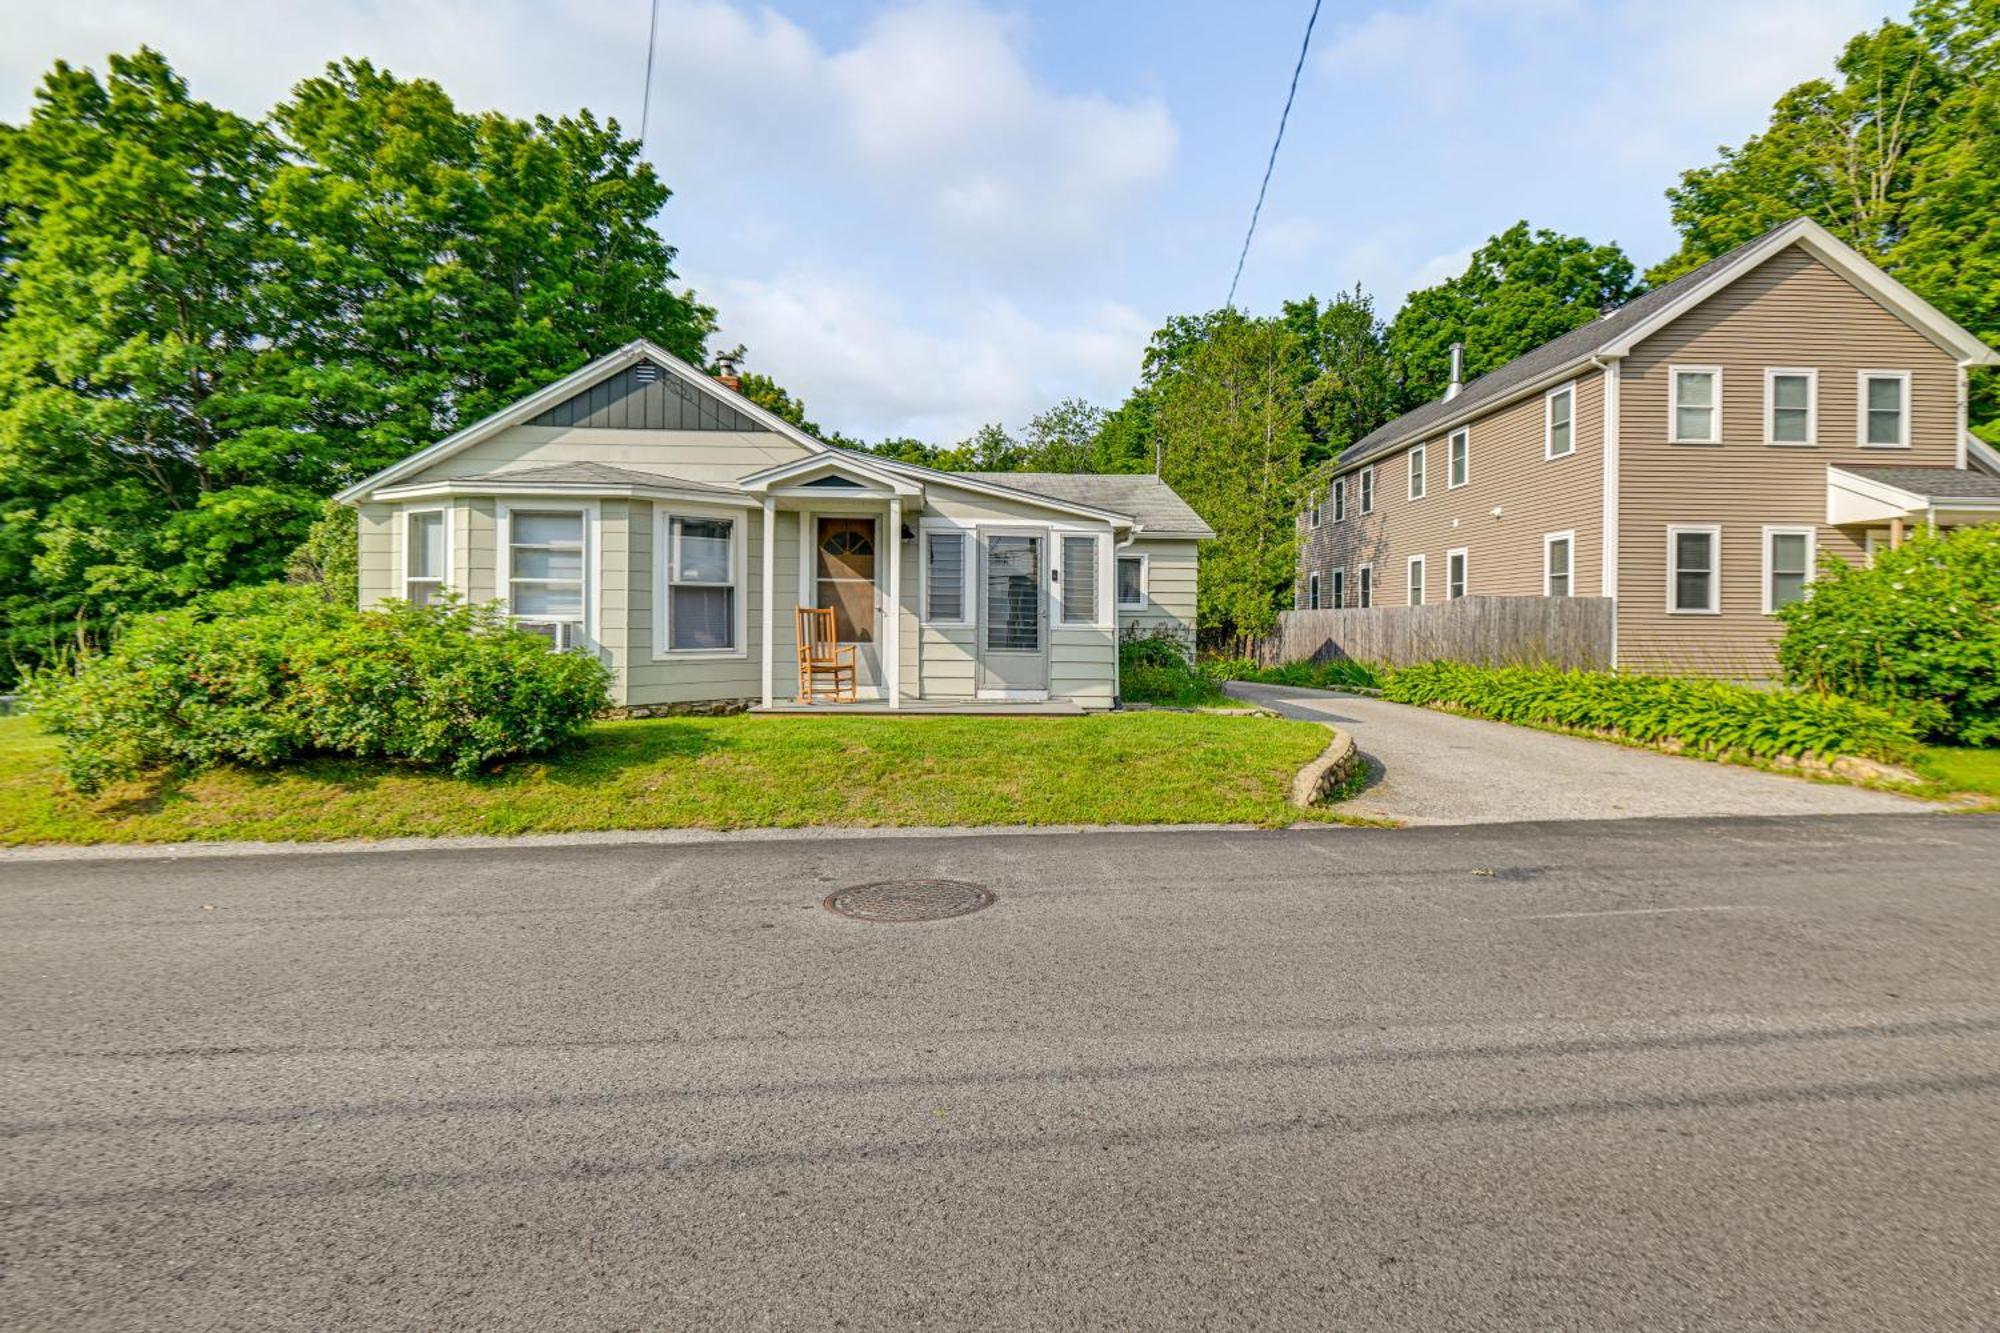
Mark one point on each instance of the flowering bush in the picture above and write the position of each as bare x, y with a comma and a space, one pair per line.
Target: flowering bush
1917, 631
260, 676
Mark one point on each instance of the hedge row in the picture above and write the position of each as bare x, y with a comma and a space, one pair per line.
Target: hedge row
260, 676
1705, 717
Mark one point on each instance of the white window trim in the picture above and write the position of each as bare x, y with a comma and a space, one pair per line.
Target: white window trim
1339, 591
1549, 539
1462, 433
1058, 561
1312, 515
1415, 571
1861, 407
1338, 497
1464, 556
1367, 487
739, 561
1145, 580
503, 573
1312, 591
1674, 530
1806, 530
1811, 377
1419, 481
444, 579
1364, 579
1674, 374
1549, 454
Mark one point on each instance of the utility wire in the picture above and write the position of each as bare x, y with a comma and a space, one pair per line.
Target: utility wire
1273, 162
646, 101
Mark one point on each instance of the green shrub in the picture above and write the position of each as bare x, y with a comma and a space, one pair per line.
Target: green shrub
1153, 668
1335, 674
1919, 631
1706, 717
259, 676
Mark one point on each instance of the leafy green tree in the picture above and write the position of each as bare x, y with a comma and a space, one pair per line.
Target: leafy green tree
1063, 438
1232, 424
1128, 440
1896, 155
1349, 382
146, 448
1522, 288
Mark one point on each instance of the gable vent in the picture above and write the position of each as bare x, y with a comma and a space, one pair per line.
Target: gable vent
645, 372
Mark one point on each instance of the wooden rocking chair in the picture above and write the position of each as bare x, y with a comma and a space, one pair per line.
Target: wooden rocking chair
823, 657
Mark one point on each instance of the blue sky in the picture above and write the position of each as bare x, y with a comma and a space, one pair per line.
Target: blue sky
923, 216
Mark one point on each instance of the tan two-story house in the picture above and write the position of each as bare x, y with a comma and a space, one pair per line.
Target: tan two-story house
1690, 455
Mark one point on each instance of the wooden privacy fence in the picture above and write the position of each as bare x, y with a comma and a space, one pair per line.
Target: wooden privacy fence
1486, 631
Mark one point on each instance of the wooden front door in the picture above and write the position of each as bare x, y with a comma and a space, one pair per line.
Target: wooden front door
844, 579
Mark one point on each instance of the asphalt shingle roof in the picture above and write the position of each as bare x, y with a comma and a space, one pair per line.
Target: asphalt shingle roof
1142, 497
1937, 483
1575, 346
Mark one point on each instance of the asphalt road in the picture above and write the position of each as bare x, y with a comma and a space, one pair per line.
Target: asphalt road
1432, 767
1663, 1075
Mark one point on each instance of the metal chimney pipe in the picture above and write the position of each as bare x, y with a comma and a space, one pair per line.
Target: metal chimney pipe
1457, 371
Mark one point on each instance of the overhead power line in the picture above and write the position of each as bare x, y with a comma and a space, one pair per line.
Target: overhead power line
1304, 46
646, 100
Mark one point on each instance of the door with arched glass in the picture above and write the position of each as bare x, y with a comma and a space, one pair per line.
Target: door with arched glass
844, 567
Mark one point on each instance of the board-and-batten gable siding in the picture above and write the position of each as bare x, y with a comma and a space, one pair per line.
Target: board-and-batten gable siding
1790, 312
647, 397
1171, 570
1536, 496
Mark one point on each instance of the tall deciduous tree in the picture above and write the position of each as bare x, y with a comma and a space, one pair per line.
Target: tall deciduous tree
1522, 288
1896, 155
1063, 438
1352, 384
1231, 421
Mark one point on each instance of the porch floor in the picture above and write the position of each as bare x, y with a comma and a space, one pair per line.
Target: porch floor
935, 707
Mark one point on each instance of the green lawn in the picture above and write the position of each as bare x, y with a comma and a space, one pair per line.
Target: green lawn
1963, 769
717, 773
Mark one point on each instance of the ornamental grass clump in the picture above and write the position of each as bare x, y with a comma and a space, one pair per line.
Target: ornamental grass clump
264, 676
1706, 717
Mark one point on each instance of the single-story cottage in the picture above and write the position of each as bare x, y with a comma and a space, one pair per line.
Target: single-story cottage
643, 511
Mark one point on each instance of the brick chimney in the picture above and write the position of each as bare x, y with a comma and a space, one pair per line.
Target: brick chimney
725, 372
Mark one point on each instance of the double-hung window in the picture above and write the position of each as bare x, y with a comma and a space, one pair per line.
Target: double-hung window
1788, 565
1558, 564
701, 585
1696, 409
1417, 473
1791, 406
1312, 592
944, 575
1458, 460
1559, 422
1132, 582
545, 573
1312, 514
1885, 409
1454, 573
1339, 589
1078, 573
1368, 490
1416, 580
1339, 499
1364, 588
424, 555
1694, 570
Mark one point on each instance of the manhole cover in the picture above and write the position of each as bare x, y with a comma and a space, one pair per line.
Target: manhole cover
908, 900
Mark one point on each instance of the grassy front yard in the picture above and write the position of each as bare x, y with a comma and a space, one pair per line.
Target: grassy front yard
1966, 769
717, 773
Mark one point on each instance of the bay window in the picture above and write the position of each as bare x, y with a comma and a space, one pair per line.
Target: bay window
424, 555
545, 573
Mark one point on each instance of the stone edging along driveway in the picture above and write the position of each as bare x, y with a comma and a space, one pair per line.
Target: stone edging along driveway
1441, 768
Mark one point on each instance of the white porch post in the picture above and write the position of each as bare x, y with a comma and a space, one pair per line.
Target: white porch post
770, 587
893, 668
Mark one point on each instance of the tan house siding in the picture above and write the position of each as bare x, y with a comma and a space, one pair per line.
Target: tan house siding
1790, 312
1534, 495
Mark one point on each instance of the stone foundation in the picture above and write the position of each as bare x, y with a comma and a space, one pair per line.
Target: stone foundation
694, 708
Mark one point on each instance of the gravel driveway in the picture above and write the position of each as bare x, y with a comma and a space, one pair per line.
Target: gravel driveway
1437, 768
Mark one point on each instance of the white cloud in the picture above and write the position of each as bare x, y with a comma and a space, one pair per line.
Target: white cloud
865, 364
